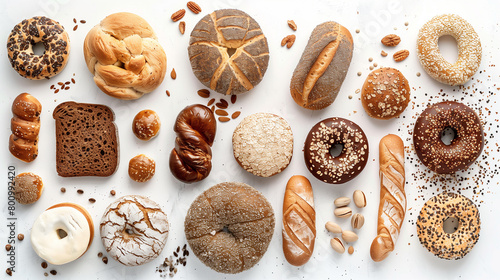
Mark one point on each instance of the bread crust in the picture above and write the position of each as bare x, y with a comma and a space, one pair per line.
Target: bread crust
392, 205
299, 221
323, 66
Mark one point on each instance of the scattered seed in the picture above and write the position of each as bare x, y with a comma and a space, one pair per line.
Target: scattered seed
80, 191
418, 74
224, 103
75, 28
205, 93
112, 192
105, 260
375, 64
45, 274
233, 99
371, 67
99, 255
235, 115
8, 247
74, 20
83, 21
406, 23
173, 75
359, 73
53, 272
63, 190
66, 88
92, 200
175, 254
9, 272
20, 237
221, 112
44, 265
350, 96
213, 108
52, 87
358, 90
67, 83
224, 119
60, 83
211, 102
350, 250
370, 59
357, 30
168, 93
56, 91
220, 105
73, 80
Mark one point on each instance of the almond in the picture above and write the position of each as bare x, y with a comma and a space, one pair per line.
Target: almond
195, 8
235, 115
182, 27
233, 99
211, 102
205, 93
391, 40
224, 119
401, 55
221, 112
288, 41
292, 25
173, 75
178, 15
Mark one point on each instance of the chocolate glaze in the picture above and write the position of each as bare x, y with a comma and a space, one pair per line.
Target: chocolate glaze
463, 150
352, 160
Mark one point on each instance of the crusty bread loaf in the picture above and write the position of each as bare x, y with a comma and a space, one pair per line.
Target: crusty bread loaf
25, 126
323, 66
228, 51
392, 205
299, 221
125, 57
86, 140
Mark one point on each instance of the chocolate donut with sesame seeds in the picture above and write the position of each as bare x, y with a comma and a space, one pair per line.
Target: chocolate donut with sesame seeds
27, 34
463, 150
430, 225
351, 161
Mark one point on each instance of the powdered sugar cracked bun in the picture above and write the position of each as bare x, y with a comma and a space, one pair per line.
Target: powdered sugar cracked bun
134, 230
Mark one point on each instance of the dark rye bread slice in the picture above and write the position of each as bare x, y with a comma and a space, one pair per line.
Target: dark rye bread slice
86, 140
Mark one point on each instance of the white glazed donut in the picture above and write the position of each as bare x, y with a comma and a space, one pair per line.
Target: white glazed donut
134, 230
469, 49
62, 233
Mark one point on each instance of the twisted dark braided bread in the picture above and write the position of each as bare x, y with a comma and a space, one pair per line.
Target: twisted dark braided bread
190, 160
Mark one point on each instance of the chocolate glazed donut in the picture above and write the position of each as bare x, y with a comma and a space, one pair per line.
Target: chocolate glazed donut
191, 159
464, 149
352, 160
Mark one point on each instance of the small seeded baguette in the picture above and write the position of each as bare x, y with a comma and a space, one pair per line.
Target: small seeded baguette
392, 205
299, 221
323, 66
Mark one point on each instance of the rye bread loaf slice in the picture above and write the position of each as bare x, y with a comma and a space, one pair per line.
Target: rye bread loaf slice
86, 140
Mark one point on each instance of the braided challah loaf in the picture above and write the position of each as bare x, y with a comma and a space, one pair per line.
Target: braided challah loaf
123, 54
191, 159
228, 51
25, 126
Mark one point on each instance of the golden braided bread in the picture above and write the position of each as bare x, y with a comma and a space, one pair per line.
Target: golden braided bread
25, 126
123, 54
191, 159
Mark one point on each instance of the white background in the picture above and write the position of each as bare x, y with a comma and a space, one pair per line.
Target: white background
375, 19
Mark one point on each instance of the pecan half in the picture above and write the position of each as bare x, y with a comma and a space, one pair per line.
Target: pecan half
292, 25
391, 40
195, 8
288, 41
401, 55
178, 15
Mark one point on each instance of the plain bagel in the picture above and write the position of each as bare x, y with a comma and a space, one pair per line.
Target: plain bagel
469, 49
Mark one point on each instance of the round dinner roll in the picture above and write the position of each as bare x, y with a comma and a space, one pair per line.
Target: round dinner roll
62, 233
125, 57
229, 227
28, 188
385, 93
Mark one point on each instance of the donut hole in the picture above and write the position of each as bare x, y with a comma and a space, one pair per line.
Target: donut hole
230, 51
450, 224
39, 49
336, 149
448, 48
225, 229
61, 233
448, 135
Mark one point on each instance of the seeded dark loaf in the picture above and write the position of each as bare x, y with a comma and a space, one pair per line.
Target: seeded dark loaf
86, 140
323, 66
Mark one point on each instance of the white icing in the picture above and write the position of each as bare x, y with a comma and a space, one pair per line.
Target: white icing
45, 239
126, 233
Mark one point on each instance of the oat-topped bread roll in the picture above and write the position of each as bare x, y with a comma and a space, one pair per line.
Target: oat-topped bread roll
125, 57
323, 66
228, 51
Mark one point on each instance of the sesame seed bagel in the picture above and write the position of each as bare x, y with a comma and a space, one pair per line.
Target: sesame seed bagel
28, 33
229, 227
450, 246
351, 161
464, 149
469, 49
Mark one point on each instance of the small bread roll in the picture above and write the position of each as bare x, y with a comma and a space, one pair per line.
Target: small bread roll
141, 168
28, 188
385, 93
